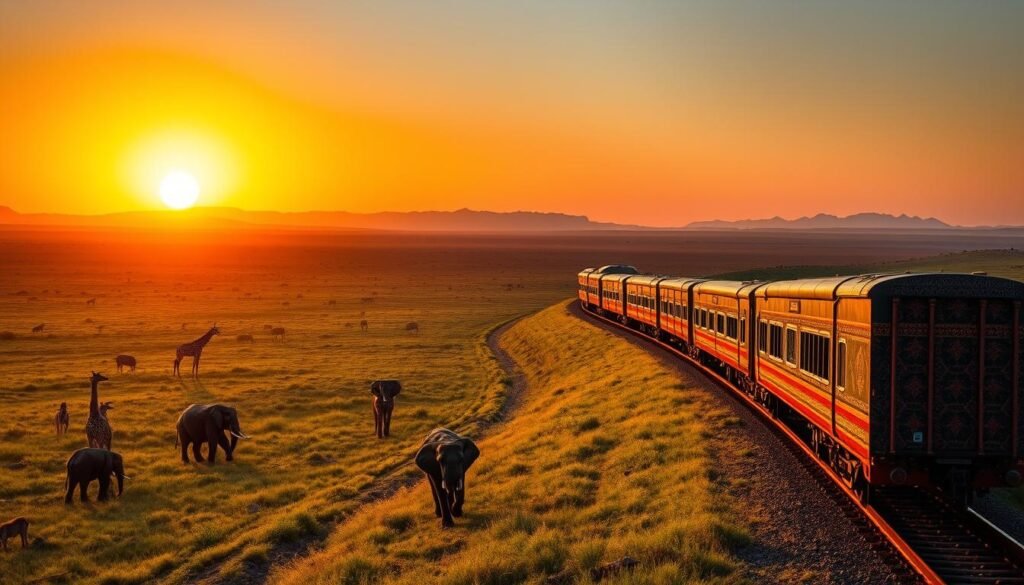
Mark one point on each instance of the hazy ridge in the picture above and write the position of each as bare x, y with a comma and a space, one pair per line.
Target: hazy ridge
462, 220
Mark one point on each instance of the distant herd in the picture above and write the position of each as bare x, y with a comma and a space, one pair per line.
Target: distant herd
444, 456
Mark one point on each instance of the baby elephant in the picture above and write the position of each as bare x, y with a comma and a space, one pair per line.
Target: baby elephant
384, 392
444, 458
86, 465
17, 526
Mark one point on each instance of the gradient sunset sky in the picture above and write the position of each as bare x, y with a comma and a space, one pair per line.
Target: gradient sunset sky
648, 112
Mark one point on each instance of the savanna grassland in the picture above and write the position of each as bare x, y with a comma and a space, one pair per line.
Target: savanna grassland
312, 458
312, 461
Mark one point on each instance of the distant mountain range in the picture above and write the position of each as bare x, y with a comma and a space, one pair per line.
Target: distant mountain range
462, 220
828, 221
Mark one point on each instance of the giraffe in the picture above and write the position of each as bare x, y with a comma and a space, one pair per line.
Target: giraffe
194, 349
97, 429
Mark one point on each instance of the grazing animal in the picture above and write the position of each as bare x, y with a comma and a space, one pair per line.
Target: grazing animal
91, 301
245, 338
125, 361
384, 392
277, 333
62, 419
364, 326
194, 349
444, 458
17, 526
38, 328
202, 423
412, 326
86, 465
97, 429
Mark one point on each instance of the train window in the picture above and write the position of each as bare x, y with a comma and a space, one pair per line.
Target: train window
743, 330
685, 312
720, 323
762, 336
775, 341
841, 365
791, 346
814, 354
731, 327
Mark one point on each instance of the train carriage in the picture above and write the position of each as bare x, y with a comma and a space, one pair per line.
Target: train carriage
674, 302
642, 301
944, 371
613, 294
721, 326
807, 338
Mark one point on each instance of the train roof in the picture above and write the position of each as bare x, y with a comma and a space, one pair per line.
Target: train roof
679, 282
804, 288
616, 277
926, 284
617, 269
731, 288
931, 284
646, 279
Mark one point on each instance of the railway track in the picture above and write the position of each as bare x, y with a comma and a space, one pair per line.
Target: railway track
925, 539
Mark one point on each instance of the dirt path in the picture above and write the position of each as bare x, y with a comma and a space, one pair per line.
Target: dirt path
799, 535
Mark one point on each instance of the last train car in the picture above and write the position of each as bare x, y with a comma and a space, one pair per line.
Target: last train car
905, 378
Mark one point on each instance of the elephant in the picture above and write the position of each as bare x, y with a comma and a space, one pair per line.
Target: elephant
444, 458
88, 464
384, 392
207, 423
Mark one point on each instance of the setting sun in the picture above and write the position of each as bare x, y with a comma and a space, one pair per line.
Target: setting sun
179, 190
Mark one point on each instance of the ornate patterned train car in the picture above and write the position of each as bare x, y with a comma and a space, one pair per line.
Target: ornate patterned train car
944, 374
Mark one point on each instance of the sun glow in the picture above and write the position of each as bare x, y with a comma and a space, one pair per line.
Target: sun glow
179, 190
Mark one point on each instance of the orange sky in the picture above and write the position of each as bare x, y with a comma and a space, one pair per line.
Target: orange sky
657, 113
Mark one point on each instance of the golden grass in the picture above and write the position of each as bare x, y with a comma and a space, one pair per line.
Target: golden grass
313, 459
607, 456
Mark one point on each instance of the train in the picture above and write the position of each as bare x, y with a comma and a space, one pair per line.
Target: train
892, 379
